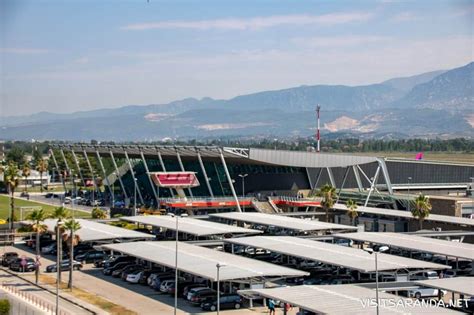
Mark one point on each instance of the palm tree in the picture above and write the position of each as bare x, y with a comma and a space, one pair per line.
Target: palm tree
60, 214
352, 210
72, 240
26, 171
11, 180
41, 168
38, 217
328, 193
422, 209
98, 213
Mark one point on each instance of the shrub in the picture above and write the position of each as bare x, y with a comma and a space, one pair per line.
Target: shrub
4, 307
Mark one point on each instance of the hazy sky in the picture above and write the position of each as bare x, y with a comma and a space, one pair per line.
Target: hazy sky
65, 56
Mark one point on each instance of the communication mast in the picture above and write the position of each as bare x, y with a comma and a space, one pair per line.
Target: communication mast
318, 134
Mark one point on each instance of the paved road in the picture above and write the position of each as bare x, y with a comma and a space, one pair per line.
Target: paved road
55, 202
138, 298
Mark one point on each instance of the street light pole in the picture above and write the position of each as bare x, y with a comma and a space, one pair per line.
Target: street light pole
58, 268
374, 250
219, 266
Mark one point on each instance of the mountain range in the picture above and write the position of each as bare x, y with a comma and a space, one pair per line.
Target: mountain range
434, 104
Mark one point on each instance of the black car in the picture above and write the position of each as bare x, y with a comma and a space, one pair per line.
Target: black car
108, 271
181, 286
30, 264
187, 288
65, 266
118, 272
118, 259
226, 301
145, 274
8, 258
90, 256
199, 296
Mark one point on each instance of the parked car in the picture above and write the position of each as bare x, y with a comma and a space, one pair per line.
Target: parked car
189, 287
423, 275
151, 279
165, 284
50, 249
181, 286
118, 259
108, 271
145, 274
158, 280
226, 301
117, 273
65, 266
197, 295
449, 273
129, 270
134, 276
422, 292
8, 258
29, 266
90, 256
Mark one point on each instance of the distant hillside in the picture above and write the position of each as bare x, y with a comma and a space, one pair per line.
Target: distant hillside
434, 104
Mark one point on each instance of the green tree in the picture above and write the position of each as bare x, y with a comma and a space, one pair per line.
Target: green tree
41, 167
26, 172
16, 155
422, 209
38, 217
72, 239
352, 210
328, 193
4, 307
10, 176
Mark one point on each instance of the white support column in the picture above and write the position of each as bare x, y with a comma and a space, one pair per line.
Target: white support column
160, 158
104, 173
331, 177
204, 173
149, 178
229, 179
89, 165
367, 178
309, 179
181, 166
135, 182
343, 182
386, 176
76, 161
357, 177
118, 175
57, 169
372, 185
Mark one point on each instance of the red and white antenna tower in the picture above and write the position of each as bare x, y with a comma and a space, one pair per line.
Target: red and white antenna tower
318, 134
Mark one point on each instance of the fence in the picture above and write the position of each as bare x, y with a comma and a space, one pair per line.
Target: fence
29, 301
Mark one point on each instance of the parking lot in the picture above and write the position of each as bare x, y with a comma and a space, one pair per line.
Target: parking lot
137, 298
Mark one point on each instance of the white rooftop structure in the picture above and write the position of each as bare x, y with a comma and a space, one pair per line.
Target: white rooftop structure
415, 243
343, 299
202, 261
281, 221
408, 215
190, 225
332, 254
94, 231
462, 285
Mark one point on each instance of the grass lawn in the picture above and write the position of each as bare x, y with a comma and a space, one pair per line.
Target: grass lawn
5, 208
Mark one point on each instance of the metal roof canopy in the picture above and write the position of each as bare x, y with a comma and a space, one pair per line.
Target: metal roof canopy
332, 254
343, 299
275, 157
281, 221
413, 242
190, 225
462, 285
94, 231
201, 261
408, 215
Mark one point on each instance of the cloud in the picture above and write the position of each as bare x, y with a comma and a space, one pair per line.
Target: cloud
24, 51
255, 22
405, 16
340, 41
82, 60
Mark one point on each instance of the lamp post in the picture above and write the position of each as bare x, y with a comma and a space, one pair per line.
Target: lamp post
374, 250
58, 268
176, 261
219, 266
